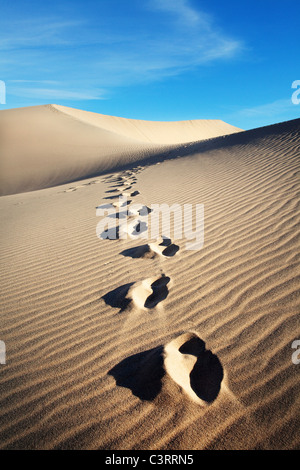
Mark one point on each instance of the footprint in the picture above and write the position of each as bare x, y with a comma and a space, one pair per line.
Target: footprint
117, 179
121, 203
143, 251
105, 206
139, 228
129, 194
165, 248
194, 368
159, 292
184, 361
70, 190
110, 234
134, 227
109, 177
152, 250
115, 196
119, 215
112, 191
148, 293
143, 295
124, 187
139, 209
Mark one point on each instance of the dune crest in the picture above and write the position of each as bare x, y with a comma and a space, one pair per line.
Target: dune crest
156, 132
44, 146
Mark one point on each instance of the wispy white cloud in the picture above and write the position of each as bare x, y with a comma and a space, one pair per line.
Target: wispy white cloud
195, 34
57, 94
44, 82
181, 9
84, 56
184, 39
36, 32
276, 108
264, 114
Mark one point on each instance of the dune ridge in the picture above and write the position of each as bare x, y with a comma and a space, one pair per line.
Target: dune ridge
157, 132
111, 344
44, 146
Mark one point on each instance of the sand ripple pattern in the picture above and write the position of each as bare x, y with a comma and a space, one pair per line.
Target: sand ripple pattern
111, 344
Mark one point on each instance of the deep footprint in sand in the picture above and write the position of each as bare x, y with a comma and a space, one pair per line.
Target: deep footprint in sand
152, 250
165, 247
148, 293
139, 210
133, 227
194, 368
184, 360
121, 203
160, 292
70, 190
143, 295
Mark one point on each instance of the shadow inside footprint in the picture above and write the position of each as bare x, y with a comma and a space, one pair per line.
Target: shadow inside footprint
170, 250
207, 373
119, 215
139, 228
142, 251
142, 373
112, 191
110, 234
160, 292
117, 179
117, 297
115, 196
144, 210
126, 203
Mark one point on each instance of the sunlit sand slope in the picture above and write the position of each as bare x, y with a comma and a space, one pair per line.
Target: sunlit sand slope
143, 344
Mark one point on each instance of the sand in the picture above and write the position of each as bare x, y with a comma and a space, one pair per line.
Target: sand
44, 146
135, 343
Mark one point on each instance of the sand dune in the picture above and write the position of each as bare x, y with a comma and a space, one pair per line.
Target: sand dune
130, 343
43, 146
156, 132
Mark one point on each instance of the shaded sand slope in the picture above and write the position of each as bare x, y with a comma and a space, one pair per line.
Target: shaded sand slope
142, 344
43, 146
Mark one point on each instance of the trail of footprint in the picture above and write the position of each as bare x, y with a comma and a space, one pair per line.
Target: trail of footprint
149, 294
185, 359
120, 185
74, 188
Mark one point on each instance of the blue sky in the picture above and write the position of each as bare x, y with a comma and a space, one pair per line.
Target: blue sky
161, 60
